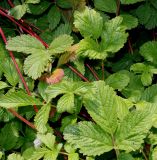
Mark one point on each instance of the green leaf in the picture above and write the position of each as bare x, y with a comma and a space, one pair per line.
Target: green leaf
41, 89
90, 48
138, 67
9, 140
154, 154
66, 103
3, 85
36, 64
73, 156
54, 17
69, 89
17, 99
150, 94
9, 71
63, 87
106, 6
32, 1
148, 18
18, 11
125, 156
89, 23
37, 9
148, 51
85, 135
60, 44
101, 104
129, 21
114, 35
146, 78
64, 4
14, 156
41, 118
130, 1
26, 44
134, 128
118, 80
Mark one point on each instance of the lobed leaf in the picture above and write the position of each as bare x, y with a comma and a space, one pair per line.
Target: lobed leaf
88, 22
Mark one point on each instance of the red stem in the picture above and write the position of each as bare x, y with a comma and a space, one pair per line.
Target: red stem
23, 28
93, 72
21, 118
130, 46
17, 67
77, 72
10, 3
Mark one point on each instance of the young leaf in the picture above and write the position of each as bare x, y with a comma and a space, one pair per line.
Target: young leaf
114, 35
54, 17
90, 133
41, 118
106, 6
89, 23
18, 11
17, 99
26, 44
60, 44
35, 64
148, 51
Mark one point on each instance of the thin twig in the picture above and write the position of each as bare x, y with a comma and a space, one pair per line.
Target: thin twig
93, 72
17, 68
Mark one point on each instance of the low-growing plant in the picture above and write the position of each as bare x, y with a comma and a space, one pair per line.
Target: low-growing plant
89, 69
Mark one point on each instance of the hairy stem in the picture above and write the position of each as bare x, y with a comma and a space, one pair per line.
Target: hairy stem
17, 68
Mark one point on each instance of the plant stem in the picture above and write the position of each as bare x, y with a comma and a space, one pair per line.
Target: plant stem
23, 28
144, 155
78, 73
10, 3
103, 71
21, 118
130, 46
93, 72
114, 144
118, 8
17, 67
